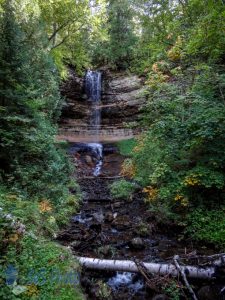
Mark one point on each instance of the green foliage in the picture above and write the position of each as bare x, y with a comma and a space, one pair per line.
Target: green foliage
35, 258
65, 24
35, 171
184, 142
178, 30
30, 103
113, 40
122, 189
173, 290
181, 156
207, 226
122, 38
126, 147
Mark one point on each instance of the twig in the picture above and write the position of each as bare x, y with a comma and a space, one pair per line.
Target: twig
144, 272
182, 272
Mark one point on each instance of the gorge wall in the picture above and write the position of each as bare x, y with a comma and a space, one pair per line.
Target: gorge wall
122, 98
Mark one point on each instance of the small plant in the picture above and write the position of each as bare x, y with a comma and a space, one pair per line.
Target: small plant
107, 250
122, 189
143, 229
173, 290
104, 291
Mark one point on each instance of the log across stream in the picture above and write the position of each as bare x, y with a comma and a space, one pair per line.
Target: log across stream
207, 273
109, 235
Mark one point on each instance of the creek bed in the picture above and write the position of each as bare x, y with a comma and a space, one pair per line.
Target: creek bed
118, 229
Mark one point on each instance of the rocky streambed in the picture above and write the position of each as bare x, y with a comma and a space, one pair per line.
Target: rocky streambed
121, 229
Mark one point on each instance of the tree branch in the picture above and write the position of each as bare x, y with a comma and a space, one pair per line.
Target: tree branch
183, 275
60, 43
65, 38
52, 36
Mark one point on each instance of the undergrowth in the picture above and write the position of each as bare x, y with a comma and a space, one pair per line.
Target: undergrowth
31, 264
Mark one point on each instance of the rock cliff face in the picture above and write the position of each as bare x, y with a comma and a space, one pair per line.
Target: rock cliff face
75, 106
122, 98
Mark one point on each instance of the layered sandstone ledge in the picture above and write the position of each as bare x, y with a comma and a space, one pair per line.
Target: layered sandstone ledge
123, 95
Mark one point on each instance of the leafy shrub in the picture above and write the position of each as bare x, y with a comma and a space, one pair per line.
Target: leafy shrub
31, 253
182, 154
126, 147
122, 189
207, 226
180, 159
128, 168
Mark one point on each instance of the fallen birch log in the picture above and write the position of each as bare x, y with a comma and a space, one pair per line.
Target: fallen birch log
207, 273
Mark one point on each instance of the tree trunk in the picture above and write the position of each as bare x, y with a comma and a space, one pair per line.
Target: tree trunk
153, 268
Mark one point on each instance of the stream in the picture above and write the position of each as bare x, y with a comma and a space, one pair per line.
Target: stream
113, 228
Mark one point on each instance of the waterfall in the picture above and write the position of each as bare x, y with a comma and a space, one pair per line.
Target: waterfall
93, 85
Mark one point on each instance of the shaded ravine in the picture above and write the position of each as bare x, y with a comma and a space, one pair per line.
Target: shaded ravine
118, 229
114, 228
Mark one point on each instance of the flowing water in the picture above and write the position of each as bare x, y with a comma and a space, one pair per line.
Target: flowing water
93, 86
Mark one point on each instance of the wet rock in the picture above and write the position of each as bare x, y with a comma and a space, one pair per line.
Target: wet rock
64, 236
99, 217
117, 204
109, 216
208, 293
122, 245
96, 227
75, 244
110, 149
137, 243
75, 231
153, 243
88, 160
122, 222
85, 282
85, 236
160, 297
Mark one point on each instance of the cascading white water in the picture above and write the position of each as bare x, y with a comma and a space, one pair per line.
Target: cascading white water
126, 279
93, 85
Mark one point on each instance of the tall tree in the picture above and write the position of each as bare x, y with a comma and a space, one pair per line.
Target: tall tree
121, 32
30, 103
66, 23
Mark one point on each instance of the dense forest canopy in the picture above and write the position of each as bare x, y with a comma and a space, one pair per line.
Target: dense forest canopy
178, 47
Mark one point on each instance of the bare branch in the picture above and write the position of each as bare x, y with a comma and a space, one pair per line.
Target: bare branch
182, 272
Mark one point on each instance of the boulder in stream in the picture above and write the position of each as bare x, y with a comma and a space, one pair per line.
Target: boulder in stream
88, 160
109, 216
160, 297
137, 243
99, 217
